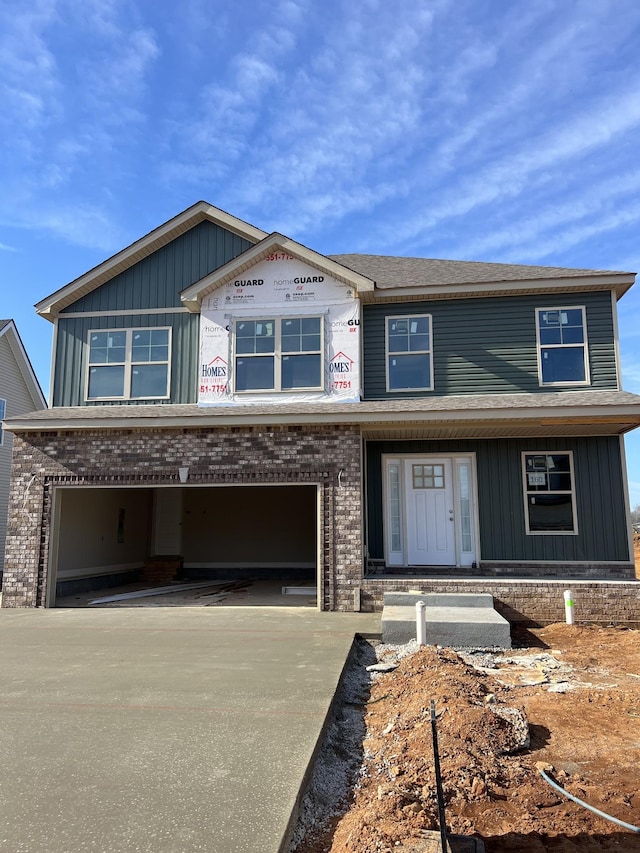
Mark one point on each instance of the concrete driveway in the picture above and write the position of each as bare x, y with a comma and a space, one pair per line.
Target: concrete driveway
164, 729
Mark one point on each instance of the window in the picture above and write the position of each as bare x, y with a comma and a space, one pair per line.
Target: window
550, 505
3, 412
428, 476
128, 364
279, 354
562, 346
409, 363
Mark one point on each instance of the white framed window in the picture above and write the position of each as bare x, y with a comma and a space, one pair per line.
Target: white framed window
549, 493
279, 354
562, 346
3, 412
129, 364
409, 353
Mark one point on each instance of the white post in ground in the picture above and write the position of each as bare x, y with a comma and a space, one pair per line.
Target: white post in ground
568, 606
421, 623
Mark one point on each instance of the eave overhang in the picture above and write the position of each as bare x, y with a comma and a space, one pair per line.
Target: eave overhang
142, 248
193, 295
618, 282
512, 414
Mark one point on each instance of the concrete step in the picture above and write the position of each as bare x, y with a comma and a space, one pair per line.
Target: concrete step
451, 621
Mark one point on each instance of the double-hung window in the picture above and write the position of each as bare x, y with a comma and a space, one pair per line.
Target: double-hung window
562, 346
409, 353
549, 491
129, 364
279, 354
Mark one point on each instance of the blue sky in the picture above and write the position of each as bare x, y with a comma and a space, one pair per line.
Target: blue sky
498, 130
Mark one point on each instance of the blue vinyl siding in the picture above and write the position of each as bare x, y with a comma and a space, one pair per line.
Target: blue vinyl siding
153, 283
156, 281
71, 361
487, 345
600, 503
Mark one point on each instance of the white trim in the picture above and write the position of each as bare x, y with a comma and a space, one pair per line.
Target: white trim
3, 406
193, 295
584, 345
128, 363
429, 352
142, 248
399, 458
277, 354
616, 340
52, 368
571, 492
620, 282
129, 312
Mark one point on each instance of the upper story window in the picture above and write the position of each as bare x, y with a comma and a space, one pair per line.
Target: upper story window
129, 364
3, 412
279, 354
409, 353
562, 346
549, 491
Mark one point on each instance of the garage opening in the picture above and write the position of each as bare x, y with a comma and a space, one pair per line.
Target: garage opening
229, 544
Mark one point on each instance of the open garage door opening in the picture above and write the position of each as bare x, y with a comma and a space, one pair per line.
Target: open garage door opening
222, 545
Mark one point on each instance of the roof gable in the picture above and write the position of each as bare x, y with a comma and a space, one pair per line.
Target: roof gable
202, 211
9, 331
192, 296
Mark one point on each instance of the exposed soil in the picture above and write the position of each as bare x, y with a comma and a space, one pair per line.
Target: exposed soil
579, 688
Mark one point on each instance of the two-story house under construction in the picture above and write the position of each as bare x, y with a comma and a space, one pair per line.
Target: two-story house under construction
365, 423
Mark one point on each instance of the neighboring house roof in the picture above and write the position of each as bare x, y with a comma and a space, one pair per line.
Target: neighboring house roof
9, 330
564, 412
142, 248
193, 295
411, 273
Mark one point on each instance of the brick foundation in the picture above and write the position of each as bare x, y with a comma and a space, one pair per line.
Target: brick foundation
527, 602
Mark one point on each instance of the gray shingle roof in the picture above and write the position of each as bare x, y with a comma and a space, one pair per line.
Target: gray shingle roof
388, 271
487, 405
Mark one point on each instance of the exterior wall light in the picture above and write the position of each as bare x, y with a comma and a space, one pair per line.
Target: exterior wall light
183, 473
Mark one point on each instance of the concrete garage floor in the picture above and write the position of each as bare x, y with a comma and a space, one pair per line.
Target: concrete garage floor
247, 593
162, 729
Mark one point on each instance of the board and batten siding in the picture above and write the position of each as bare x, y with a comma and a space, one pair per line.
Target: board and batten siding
600, 503
156, 281
18, 401
153, 283
488, 345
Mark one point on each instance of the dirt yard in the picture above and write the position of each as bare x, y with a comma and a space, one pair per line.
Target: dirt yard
579, 688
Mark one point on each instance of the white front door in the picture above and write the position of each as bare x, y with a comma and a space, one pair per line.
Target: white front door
431, 539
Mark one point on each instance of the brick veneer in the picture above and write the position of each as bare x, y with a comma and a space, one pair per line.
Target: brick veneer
294, 455
528, 602
327, 456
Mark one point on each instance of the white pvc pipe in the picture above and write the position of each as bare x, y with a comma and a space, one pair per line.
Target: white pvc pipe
568, 606
421, 623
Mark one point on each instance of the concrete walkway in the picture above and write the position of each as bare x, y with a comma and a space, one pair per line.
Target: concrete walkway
164, 729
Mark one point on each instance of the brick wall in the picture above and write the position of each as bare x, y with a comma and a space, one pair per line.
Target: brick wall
528, 602
329, 457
